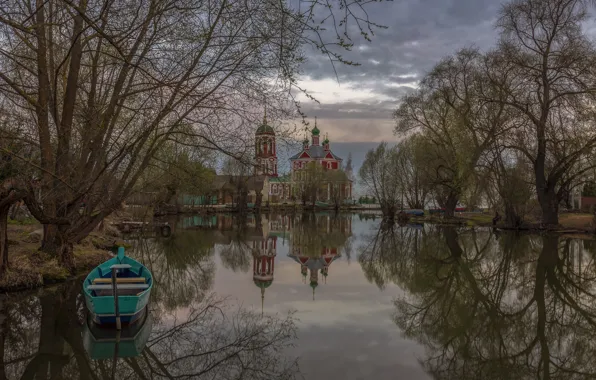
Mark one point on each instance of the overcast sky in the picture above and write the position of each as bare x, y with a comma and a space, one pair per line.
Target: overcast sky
419, 34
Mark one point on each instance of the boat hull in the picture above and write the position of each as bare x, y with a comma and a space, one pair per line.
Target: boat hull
131, 303
130, 307
125, 319
101, 343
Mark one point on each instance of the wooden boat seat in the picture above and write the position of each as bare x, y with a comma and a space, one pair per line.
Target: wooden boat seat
120, 280
123, 290
120, 287
120, 266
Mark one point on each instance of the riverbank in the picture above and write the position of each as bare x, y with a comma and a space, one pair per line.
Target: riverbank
141, 211
570, 223
29, 268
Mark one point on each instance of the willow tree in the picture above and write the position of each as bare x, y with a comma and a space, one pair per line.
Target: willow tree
103, 85
545, 63
456, 125
414, 184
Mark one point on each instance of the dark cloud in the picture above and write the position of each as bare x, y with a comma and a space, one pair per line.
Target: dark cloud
419, 34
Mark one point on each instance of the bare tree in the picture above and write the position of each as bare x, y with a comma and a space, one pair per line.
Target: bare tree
13, 176
378, 174
546, 66
103, 85
336, 182
309, 183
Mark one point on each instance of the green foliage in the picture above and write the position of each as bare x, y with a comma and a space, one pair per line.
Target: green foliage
23, 222
177, 170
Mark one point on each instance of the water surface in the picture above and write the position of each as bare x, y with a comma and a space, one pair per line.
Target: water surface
326, 296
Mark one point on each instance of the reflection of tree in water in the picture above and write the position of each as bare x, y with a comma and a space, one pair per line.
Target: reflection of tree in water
211, 339
312, 233
237, 255
182, 266
41, 335
490, 308
383, 253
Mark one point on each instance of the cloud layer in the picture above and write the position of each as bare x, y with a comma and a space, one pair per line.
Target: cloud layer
419, 33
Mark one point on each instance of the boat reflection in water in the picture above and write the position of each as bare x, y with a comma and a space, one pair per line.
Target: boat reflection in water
106, 343
189, 333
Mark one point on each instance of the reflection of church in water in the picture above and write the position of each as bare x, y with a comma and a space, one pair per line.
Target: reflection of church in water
314, 244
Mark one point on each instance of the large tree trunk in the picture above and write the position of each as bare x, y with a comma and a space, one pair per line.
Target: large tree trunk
388, 212
512, 219
549, 204
3, 238
56, 242
451, 204
545, 189
9, 194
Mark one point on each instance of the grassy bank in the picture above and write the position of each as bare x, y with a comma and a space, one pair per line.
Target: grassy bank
30, 268
568, 222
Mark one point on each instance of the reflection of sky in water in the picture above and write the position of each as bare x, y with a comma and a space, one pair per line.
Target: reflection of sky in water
347, 330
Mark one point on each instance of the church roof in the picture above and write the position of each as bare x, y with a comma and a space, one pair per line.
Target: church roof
315, 151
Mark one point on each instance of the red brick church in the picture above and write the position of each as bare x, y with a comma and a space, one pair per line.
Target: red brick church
285, 187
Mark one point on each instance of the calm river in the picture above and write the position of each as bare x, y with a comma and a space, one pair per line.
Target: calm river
323, 297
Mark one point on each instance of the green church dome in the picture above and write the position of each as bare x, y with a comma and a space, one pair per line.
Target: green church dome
263, 284
265, 129
315, 131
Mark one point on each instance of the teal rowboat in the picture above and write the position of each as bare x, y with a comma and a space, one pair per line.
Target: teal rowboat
132, 283
101, 343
